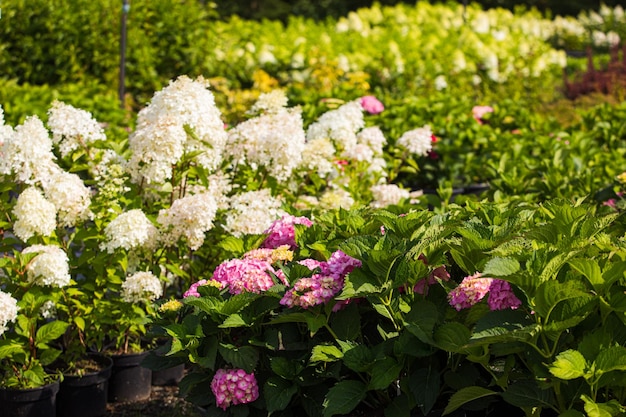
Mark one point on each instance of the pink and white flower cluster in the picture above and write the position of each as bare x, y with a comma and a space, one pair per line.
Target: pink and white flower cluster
233, 387
323, 286
246, 275
474, 288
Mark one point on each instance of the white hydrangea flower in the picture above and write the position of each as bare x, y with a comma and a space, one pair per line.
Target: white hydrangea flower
189, 217
340, 125
317, 156
48, 310
336, 198
27, 153
387, 194
441, 83
8, 310
417, 141
274, 141
5, 132
72, 128
130, 230
50, 267
272, 102
252, 212
34, 215
374, 138
160, 139
71, 197
141, 286
360, 152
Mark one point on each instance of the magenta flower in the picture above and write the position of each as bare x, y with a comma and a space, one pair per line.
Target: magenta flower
469, 292
501, 296
245, 275
372, 105
341, 264
479, 111
193, 289
234, 386
309, 292
283, 232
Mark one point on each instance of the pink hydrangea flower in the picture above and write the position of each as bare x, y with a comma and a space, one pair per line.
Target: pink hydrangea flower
469, 292
372, 105
479, 111
501, 296
340, 264
193, 289
234, 386
308, 292
245, 275
283, 232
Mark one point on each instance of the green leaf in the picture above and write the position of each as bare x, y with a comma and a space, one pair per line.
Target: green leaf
233, 245
501, 267
452, 337
383, 373
425, 384
234, 320
610, 409
50, 332
48, 356
278, 393
527, 394
611, 359
9, 347
343, 397
569, 364
346, 323
590, 270
325, 353
465, 395
244, 357
421, 320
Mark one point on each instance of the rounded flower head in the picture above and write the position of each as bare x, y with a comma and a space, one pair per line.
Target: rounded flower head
469, 292
371, 104
8, 310
252, 212
387, 194
417, 141
141, 286
234, 386
193, 288
50, 267
71, 197
479, 111
283, 231
72, 128
130, 230
34, 215
501, 296
245, 275
189, 217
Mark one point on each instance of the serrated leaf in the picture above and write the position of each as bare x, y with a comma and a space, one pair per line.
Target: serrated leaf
501, 267
325, 353
234, 320
611, 359
278, 393
244, 357
590, 269
594, 409
465, 395
421, 320
569, 364
50, 332
452, 337
527, 394
360, 358
343, 397
383, 373
425, 384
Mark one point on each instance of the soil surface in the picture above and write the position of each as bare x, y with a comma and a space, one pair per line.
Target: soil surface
163, 402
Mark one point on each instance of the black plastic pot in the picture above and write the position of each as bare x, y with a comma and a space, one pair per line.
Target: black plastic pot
129, 382
168, 376
32, 402
86, 395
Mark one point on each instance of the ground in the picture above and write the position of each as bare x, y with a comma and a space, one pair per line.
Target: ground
163, 402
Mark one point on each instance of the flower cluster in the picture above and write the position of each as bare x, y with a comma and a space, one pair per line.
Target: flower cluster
246, 275
8, 310
323, 286
474, 288
283, 232
417, 141
72, 128
141, 286
234, 386
49, 267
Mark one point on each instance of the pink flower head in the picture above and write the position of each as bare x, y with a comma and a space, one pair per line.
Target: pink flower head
245, 275
441, 273
469, 292
501, 296
611, 202
372, 105
234, 386
283, 232
308, 292
341, 264
479, 111
193, 289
